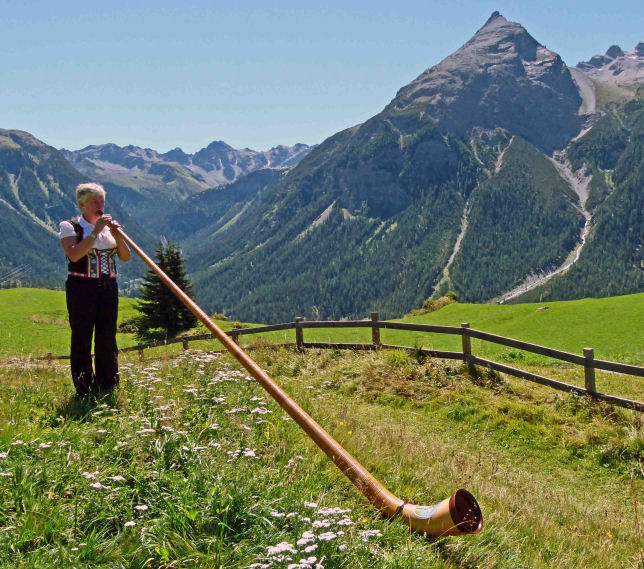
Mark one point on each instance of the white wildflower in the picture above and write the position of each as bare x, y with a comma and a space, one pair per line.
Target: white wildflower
141, 508
332, 511
117, 478
310, 548
130, 524
4, 454
283, 547
368, 534
99, 486
327, 536
312, 505
317, 524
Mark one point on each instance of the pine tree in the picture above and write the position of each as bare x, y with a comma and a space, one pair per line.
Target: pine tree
163, 315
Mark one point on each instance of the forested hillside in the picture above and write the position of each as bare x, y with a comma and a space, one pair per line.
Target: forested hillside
612, 262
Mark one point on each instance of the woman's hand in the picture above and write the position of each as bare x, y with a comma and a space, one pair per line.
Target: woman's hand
101, 222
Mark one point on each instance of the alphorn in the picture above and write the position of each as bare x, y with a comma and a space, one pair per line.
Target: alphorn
456, 515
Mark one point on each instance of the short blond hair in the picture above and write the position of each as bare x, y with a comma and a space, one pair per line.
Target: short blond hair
83, 191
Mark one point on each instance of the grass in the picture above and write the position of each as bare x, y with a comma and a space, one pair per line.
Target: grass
190, 464
33, 321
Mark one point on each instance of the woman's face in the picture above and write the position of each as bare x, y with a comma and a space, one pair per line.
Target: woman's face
92, 207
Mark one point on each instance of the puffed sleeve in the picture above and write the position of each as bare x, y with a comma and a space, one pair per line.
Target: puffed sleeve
66, 229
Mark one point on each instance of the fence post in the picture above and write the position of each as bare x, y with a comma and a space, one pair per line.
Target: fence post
184, 341
234, 335
299, 334
50, 357
375, 330
589, 372
466, 341
140, 349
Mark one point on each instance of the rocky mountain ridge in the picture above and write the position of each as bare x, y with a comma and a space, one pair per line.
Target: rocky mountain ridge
214, 165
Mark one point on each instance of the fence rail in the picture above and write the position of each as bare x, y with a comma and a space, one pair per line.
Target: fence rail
587, 361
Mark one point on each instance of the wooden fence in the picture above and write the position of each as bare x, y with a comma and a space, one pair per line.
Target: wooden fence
587, 361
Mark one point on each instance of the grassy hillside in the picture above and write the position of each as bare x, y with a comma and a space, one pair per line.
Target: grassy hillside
34, 321
192, 465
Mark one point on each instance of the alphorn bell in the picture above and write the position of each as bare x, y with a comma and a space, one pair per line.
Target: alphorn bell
456, 515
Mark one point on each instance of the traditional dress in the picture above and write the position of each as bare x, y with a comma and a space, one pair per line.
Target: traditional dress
92, 304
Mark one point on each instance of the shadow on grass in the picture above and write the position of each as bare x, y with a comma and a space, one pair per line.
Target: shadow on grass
81, 409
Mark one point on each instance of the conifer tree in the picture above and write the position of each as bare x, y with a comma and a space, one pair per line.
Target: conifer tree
163, 315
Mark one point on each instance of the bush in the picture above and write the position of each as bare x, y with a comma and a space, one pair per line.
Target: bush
433, 304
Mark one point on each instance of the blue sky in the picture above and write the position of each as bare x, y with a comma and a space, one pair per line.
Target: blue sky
254, 74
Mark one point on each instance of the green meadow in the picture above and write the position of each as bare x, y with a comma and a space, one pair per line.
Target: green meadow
34, 322
190, 464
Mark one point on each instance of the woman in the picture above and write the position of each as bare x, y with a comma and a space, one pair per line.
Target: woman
91, 243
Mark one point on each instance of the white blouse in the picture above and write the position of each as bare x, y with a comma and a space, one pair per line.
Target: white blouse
104, 240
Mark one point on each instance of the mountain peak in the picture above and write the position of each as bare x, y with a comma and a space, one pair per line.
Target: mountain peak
495, 16
501, 77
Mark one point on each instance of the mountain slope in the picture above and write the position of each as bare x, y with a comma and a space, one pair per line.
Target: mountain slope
371, 217
612, 261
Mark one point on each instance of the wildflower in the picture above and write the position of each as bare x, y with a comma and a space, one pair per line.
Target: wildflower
327, 536
90, 475
277, 514
215, 427
100, 431
260, 410
117, 478
342, 546
312, 505
317, 524
6, 474
250, 453
44, 445
129, 524
310, 548
4, 454
368, 534
345, 522
167, 429
307, 535
145, 431
99, 486
141, 508
283, 547
17, 443
331, 511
